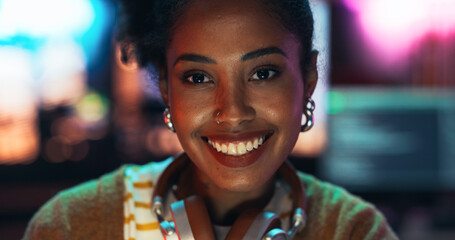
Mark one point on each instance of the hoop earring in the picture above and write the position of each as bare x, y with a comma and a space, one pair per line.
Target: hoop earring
309, 118
168, 120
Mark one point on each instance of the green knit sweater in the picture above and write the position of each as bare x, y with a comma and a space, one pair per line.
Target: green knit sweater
94, 210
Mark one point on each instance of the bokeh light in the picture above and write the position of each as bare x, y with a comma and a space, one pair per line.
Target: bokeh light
92, 109
62, 82
18, 131
396, 27
45, 18
46, 48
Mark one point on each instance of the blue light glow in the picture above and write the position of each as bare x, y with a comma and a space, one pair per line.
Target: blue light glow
45, 18
31, 24
92, 40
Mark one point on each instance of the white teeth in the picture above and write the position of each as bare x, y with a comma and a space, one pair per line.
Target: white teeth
217, 146
249, 146
238, 149
241, 148
232, 150
224, 148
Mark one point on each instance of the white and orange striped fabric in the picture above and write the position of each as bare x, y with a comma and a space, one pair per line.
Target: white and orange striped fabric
141, 224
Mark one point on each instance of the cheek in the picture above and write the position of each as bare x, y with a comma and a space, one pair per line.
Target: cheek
189, 109
286, 105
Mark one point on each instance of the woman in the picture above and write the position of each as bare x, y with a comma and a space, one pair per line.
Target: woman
236, 77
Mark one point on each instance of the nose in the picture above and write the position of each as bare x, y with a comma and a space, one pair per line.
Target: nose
233, 105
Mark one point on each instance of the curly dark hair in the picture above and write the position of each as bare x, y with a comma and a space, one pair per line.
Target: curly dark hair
144, 28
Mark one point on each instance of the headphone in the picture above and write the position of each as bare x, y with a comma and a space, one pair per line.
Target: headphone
190, 217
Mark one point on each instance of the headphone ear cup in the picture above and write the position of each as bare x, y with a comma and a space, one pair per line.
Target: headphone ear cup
199, 219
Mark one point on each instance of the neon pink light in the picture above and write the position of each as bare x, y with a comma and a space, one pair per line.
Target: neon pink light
354, 5
394, 27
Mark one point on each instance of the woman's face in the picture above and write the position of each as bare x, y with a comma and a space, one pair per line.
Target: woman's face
232, 62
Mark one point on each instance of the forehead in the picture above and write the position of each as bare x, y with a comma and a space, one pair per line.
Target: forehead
227, 27
205, 9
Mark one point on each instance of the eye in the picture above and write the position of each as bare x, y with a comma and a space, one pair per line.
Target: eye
263, 74
197, 78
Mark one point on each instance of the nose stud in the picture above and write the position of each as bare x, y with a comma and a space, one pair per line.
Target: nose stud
217, 118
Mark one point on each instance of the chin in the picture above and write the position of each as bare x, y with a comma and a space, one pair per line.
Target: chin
245, 181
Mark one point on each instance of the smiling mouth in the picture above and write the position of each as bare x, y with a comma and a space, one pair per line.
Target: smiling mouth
237, 148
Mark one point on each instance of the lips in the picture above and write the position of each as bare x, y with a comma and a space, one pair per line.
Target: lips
238, 150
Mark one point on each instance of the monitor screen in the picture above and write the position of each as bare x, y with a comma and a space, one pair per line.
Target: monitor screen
391, 139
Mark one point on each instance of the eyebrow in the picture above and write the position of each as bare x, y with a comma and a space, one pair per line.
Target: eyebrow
262, 52
194, 58
248, 56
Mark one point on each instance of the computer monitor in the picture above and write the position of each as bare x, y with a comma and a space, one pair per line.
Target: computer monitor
391, 139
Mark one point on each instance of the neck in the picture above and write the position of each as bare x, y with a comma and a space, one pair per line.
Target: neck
224, 206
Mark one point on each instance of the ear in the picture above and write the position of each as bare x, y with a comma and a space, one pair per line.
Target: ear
163, 84
312, 74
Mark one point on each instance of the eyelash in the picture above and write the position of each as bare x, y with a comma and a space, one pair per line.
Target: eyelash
272, 72
187, 78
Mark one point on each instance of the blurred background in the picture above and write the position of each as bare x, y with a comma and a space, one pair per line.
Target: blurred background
385, 119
